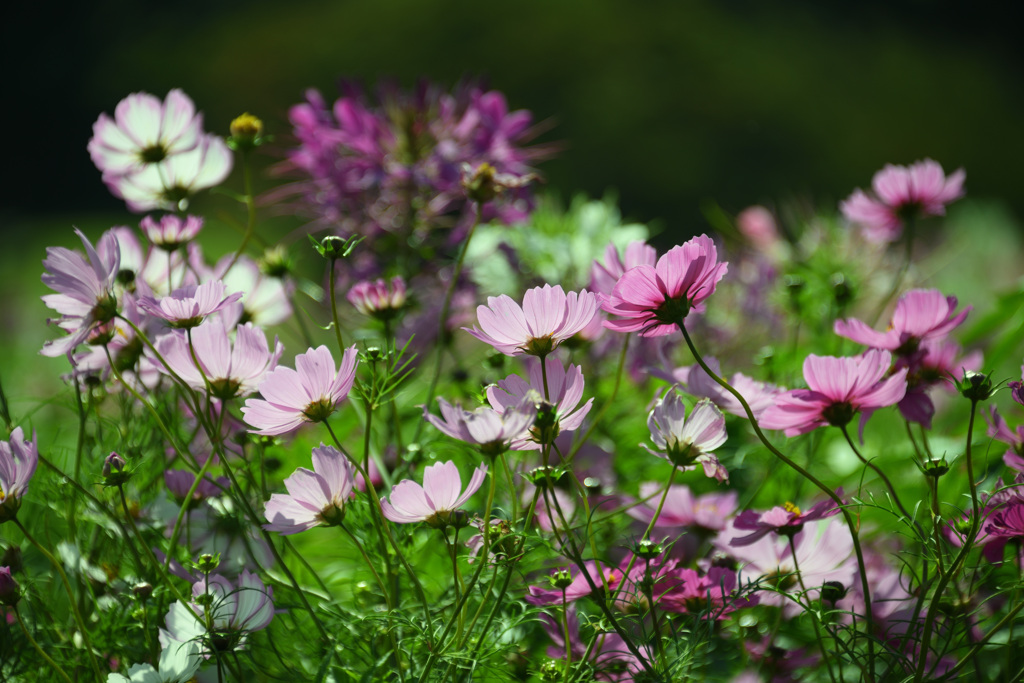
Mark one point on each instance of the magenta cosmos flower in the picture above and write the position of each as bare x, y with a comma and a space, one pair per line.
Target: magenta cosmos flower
556, 402
696, 382
837, 389
310, 394
653, 300
85, 289
603, 276
235, 611
187, 306
434, 501
171, 231
314, 498
491, 430
709, 511
18, 462
378, 299
144, 131
688, 442
228, 369
921, 314
901, 194
547, 317
782, 519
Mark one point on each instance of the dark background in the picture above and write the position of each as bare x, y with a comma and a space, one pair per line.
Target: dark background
672, 104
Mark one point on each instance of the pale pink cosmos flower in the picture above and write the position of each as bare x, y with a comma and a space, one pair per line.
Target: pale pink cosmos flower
265, 299
144, 131
311, 394
920, 315
179, 483
235, 611
784, 520
696, 382
491, 430
654, 300
556, 401
434, 502
688, 442
547, 317
85, 289
227, 370
757, 224
377, 298
710, 511
170, 184
314, 498
171, 231
837, 389
603, 276
901, 194
186, 307
18, 462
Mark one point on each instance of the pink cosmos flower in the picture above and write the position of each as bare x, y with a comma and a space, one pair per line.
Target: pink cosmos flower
1017, 388
378, 299
579, 586
688, 442
757, 224
314, 498
603, 276
311, 394
227, 370
265, 299
557, 409
653, 300
998, 429
934, 361
710, 511
1007, 522
85, 289
696, 382
547, 317
236, 611
920, 315
187, 306
837, 389
492, 430
171, 231
435, 501
785, 520
169, 185
710, 596
18, 461
902, 194
179, 482
144, 131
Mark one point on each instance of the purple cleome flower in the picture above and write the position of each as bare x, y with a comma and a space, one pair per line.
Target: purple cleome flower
85, 290
226, 370
492, 430
838, 388
311, 394
186, 307
902, 194
688, 442
653, 300
18, 462
314, 498
434, 501
547, 317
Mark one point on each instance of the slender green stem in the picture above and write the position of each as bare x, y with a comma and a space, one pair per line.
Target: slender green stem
332, 285
42, 653
91, 655
250, 205
810, 611
888, 484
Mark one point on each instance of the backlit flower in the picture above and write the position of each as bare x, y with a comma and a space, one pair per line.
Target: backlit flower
547, 317
782, 519
902, 193
314, 498
682, 509
179, 663
18, 461
837, 389
654, 300
434, 501
688, 442
378, 299
171, 231
492, 430
310, 394
188, 306
603, 276
235, 611
920, 315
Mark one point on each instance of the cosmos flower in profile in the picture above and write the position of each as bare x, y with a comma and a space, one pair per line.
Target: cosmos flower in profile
434, 502
315, 497
687, 442
18, 462
547, 318
234, 610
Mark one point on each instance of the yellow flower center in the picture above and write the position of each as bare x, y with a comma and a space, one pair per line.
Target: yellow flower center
789, 507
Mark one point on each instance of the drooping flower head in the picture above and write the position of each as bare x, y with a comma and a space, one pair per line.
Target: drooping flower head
171, 231
492, 430
378, 299
188, 306
235, 611
837, 389
434, 502
309, 394
688, 442
920, 315
85, 289
227, 369
547, 317
18, 461
314, 498
654, 300
902, 193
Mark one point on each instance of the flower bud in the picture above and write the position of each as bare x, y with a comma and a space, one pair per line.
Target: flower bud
833, 591
275, 262
560, 578
648, 549
12, 559
975, 386
142, 591
10, 592
458, 519
208, 563
936, 467
114, 470
333, 247
246, 132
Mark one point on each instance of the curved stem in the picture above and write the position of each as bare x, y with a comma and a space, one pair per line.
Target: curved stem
334, 308
42, 653
250, 205
814, 617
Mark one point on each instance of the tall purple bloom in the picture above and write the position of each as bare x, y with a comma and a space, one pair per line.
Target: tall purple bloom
837, 389
314, 498
434, 501
547, 318
18, 461
85, 289
653, 300
310, 394
688, 442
